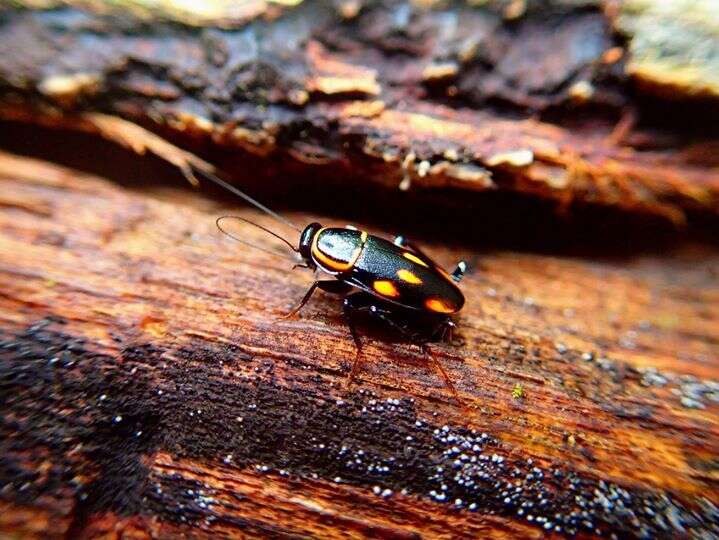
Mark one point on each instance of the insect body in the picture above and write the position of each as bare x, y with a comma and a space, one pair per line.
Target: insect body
392, 281
396, 273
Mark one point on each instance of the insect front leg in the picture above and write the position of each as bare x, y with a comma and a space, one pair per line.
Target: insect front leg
328, 285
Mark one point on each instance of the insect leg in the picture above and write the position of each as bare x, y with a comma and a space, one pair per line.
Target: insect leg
444, 327
362, 302
352, 304
438, 367
450, 326
359, 302
459, 271
329, 285
383, 315
445, 330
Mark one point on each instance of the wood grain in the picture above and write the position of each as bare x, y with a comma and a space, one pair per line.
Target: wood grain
149, 390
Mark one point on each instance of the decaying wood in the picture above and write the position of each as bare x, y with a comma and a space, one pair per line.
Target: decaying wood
148, 389
531, 97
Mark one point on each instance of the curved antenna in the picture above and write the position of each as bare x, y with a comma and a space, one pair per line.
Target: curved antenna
271, 252
232, 189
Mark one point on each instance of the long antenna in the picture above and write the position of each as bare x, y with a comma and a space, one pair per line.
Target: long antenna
232, 189
238, 239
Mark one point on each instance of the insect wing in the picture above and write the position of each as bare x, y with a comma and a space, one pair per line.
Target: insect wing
406, 278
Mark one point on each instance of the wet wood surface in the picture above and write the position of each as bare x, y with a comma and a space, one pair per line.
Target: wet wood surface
149, 389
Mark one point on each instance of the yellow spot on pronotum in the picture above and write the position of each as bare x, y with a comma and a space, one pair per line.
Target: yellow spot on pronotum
385, 288
412, 257
331, 264
409, 277
439, 306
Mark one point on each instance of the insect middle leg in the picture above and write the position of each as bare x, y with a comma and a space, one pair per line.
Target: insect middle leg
362, 302
328, 285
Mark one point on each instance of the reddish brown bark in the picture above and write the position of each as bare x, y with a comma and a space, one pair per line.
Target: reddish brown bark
149, 389
473, 99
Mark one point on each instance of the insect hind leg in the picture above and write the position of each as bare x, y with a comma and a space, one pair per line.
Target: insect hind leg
363, 302
459, 271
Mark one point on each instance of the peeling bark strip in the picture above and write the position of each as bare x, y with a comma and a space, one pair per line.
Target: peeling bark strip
518, 96
110, 425
159, 396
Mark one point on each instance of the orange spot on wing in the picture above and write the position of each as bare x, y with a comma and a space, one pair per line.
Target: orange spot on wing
385, 288
409, 277
412, 257
439, 306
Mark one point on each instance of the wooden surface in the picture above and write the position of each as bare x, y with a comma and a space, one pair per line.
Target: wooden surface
148, 389
566, 149
553, 99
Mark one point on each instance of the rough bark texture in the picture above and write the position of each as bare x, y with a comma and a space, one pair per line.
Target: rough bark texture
148, 387
531, 97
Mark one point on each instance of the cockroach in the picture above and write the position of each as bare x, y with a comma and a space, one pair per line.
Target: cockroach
393, 281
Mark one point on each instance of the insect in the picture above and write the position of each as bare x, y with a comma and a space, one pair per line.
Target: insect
393, 281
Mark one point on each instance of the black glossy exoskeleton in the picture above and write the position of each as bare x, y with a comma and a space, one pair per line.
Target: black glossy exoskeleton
394, 282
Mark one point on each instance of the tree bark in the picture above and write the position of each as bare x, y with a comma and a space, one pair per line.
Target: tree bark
149, 388
535, 98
